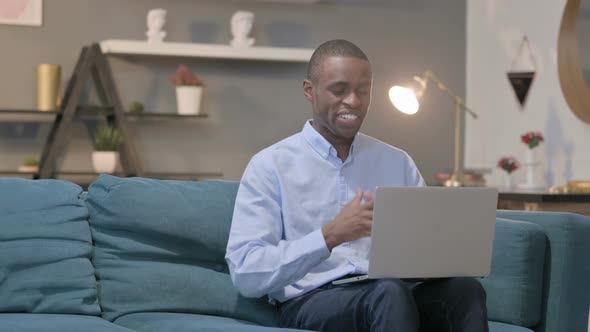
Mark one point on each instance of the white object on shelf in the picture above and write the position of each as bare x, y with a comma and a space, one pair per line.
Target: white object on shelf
188, 99
241, 24
156, 18
104, 161
117, 46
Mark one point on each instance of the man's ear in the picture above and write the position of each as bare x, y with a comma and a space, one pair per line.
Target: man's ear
308, 89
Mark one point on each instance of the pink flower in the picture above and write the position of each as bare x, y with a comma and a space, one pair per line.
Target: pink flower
184, 77
509, 164
532, 139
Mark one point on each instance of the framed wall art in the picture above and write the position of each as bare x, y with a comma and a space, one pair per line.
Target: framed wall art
21, 12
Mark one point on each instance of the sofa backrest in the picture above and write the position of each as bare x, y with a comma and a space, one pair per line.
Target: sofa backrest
160, 246
515, 285
45, 249
566, 279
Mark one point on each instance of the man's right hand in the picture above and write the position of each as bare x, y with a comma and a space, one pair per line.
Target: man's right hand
352, 223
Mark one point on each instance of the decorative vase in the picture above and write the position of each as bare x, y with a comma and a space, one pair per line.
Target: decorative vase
188, 99
508, 183
532, 164
104, 161
48, 87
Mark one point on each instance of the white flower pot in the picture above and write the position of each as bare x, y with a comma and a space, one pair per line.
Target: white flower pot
104, 161
28, 169
188, 99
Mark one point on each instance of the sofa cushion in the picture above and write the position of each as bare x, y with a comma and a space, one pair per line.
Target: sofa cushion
161, 322
57, 323
515, 285
45, 249
502, 327
160, 246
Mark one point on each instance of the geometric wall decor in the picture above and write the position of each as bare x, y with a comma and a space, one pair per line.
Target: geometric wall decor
522, 72
521, 83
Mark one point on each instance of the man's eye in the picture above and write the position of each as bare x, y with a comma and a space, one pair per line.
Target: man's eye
338, 92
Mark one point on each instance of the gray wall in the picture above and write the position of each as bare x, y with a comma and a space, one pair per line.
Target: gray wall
250, 104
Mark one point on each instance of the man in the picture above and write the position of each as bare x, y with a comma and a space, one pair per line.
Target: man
304, 211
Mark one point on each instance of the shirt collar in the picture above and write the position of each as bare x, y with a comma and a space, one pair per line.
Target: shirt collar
319, 143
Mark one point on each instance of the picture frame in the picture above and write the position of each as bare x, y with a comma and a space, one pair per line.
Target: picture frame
21, 12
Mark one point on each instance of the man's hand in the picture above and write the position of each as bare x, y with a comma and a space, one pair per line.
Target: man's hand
352, 223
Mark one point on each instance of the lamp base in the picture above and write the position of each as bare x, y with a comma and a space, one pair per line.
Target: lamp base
454, 181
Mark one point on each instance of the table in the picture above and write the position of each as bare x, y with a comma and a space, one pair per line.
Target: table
544, 201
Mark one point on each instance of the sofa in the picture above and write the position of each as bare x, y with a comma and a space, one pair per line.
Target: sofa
137, 254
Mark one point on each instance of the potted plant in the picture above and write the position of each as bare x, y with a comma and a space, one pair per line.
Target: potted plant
106, 149
135, 107
189, 90
30, 165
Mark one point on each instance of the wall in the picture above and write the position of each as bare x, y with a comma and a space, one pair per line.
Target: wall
250, 104
495, 29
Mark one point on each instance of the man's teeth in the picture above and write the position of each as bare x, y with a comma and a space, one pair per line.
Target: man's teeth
348, 116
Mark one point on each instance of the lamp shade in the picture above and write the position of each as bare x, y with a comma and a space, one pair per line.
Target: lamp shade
404, 99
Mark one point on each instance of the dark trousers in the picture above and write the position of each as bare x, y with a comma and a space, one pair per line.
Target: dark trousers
390, 305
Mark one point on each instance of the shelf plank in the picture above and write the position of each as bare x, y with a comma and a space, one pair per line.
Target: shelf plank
15, 173
147, 174
147, 116
219, 51
14, 115
90, 113
85, 178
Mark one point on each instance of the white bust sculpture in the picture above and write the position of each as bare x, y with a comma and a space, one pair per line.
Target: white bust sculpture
241, 24
155, 22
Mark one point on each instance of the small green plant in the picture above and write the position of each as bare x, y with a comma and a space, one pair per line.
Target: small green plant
136, 107
107, 139
31, 161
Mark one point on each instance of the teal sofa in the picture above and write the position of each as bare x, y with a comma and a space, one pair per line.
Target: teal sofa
136, 254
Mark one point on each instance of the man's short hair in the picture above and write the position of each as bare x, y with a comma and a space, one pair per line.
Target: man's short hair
336, 48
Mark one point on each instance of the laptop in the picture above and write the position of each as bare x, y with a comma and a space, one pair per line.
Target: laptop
431, 232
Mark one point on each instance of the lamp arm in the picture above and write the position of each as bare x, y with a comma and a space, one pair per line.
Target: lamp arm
429, 75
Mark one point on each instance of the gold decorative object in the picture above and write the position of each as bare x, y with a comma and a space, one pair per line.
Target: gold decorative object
407, 100
48, 87
578, 187
558, 190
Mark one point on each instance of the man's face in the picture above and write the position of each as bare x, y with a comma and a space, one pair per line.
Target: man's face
340, 97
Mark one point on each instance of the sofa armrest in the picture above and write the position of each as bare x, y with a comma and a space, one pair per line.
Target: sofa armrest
566, 288
515, 285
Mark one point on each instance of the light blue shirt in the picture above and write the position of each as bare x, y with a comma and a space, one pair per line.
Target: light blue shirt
288, 192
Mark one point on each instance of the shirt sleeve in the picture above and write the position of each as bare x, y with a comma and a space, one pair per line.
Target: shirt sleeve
260, 261
413, 176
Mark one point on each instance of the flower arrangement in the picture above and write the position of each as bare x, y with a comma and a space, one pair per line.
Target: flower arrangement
532, 139
184, 77
508, 164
